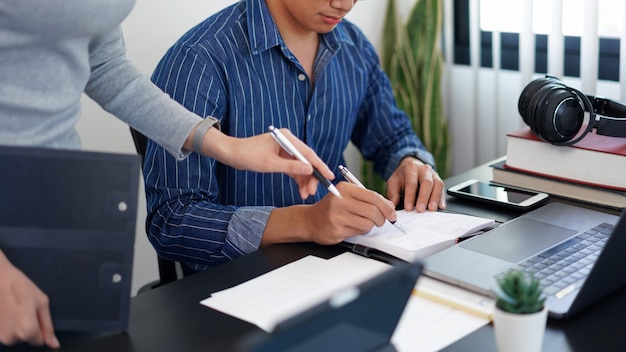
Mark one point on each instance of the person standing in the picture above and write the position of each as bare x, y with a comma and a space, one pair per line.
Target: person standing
52, 53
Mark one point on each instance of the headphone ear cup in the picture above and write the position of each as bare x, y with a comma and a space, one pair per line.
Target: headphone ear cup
526, 105
528, 93
559, 116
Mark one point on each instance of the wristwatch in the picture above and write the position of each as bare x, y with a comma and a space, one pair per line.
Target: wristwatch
416, 156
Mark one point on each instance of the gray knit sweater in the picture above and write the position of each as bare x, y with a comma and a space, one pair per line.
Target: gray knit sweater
53, 51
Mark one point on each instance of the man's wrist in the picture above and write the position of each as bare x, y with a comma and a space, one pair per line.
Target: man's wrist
289, 224
414, 156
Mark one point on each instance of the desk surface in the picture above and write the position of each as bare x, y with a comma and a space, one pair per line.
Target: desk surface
170, 318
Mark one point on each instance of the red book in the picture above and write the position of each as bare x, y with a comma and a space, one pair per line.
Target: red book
596, 160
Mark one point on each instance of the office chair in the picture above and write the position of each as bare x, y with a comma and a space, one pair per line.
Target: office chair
169, 270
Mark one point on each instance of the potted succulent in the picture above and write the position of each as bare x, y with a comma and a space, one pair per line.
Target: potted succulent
520, 316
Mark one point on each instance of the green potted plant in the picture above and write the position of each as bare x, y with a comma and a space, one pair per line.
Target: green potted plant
411, 56
520, 315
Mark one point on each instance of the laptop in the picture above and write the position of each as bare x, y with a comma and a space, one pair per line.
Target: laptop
576, 253
360, 318
67, 220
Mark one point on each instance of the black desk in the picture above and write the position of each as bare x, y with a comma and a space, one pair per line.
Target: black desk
170, 318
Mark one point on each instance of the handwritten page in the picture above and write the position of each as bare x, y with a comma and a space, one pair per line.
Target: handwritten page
427, 233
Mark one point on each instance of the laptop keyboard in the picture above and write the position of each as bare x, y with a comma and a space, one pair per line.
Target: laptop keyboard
563, 268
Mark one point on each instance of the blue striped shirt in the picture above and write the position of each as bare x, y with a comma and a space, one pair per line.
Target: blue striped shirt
236, 67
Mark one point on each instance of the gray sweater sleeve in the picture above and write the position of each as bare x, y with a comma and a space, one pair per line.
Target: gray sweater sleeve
118, 86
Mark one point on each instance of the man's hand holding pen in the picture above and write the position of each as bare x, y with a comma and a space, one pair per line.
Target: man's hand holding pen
355, 181
333, 219
330, 220
350, 209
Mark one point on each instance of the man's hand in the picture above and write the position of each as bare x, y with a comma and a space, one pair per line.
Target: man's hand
24, 310
412, 176
331, 220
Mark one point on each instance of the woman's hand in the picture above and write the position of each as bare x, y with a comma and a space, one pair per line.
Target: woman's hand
262, 153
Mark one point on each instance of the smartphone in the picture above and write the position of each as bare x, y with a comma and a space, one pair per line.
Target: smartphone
505, 196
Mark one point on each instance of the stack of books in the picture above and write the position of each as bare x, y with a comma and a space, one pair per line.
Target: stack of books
590, 171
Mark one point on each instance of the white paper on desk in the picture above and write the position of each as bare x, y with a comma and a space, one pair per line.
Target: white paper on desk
455, 297
451, 312
427, 326
282, 293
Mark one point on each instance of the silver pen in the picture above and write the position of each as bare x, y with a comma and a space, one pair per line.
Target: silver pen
352, 179
293, 151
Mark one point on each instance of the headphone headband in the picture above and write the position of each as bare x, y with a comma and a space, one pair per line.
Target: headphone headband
563, 115
607, 107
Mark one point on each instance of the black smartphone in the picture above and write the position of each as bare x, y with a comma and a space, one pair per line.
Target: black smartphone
509, 197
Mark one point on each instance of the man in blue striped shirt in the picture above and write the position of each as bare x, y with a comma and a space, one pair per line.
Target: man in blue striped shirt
294, 64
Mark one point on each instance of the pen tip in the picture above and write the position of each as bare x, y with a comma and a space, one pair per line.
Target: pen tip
334, 190
399, 227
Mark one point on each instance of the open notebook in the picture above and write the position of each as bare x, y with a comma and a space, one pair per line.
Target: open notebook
426, 233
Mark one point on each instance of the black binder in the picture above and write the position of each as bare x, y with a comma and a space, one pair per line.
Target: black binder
67, 220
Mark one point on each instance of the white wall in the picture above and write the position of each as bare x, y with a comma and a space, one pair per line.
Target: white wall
151, 28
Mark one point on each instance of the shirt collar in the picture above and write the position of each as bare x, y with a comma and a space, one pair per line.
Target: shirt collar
264, 34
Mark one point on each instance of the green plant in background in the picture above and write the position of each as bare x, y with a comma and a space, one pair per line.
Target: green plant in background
412, 58
518, 294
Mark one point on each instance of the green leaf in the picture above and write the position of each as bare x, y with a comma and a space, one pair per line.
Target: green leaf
519, 294
412, 58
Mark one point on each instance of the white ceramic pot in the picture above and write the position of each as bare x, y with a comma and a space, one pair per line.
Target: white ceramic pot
519, 332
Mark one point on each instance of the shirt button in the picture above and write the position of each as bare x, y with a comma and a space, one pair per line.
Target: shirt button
301, 77
308, 117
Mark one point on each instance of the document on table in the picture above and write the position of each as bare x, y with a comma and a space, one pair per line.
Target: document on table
439, 314
426, 324
291, 289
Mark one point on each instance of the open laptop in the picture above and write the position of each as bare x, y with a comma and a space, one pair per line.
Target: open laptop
360, 318
67, 220
543, 241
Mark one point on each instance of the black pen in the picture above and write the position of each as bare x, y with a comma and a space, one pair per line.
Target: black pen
352, 179
293, 151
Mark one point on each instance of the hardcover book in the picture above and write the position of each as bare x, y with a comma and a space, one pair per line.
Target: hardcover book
558, 187
595, 160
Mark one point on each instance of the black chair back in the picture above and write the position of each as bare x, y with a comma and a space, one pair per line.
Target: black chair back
169, 270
